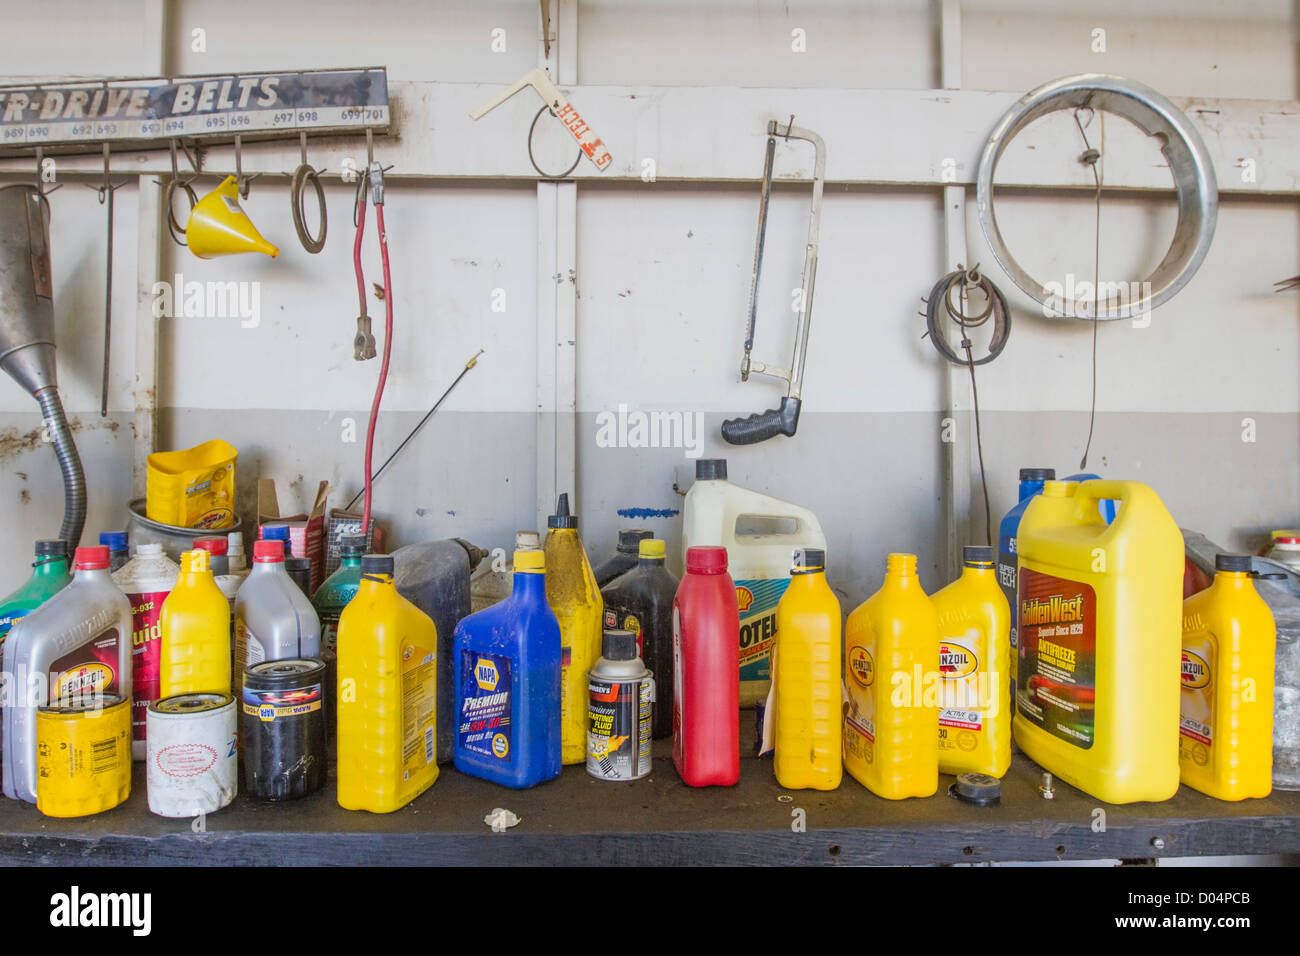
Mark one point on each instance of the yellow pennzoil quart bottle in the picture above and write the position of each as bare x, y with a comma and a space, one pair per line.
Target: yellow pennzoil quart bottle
1099, 612
572, 593
387, 695
1229, 646
809, 727
975, 664
891, 662
194, 632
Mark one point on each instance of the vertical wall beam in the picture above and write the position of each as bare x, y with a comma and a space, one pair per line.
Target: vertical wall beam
148, 267
956, 382
557, 292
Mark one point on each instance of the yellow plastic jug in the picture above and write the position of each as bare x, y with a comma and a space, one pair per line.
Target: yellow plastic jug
1229, 648
1100, 609
387, 695
219, 226
572, 593
891, 659
194, 488
809, 727
194, 631
975, 664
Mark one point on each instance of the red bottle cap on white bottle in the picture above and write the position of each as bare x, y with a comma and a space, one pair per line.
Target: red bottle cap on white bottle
268, 552
91, 559
706, 559
217, 546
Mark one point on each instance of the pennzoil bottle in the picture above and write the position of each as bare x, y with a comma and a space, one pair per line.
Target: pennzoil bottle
1225, 742
974, 664
808, 752
891, 730
387, 703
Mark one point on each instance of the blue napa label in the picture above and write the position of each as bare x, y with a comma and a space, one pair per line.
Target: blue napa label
483, 724
757, 600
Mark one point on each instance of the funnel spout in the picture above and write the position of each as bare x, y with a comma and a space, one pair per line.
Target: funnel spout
74, 480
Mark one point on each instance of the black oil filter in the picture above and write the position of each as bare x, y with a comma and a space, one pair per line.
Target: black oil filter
282, 723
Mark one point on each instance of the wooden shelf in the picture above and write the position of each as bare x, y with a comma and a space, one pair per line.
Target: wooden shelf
577, 820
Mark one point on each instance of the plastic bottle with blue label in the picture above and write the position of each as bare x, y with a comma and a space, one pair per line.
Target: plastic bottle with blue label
760, 533
507, 677
1031, 484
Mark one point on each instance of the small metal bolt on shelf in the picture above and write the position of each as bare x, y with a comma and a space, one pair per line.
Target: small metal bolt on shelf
1046, 787
1157, 843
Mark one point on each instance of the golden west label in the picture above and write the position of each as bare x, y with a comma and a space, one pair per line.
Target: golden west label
1056, 651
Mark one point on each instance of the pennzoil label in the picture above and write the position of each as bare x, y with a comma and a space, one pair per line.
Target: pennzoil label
90, 670
484, 720
757, 601
1056, 684
270, 705
1196, 704
860, 720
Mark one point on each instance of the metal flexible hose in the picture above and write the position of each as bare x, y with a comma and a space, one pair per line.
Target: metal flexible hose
74, 480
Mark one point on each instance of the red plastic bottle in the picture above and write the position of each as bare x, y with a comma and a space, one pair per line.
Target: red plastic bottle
706, 678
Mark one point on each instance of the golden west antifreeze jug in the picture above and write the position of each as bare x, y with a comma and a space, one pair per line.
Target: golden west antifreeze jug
1099, 612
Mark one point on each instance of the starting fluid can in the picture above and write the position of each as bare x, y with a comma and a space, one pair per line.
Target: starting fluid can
620, 711
83, 756
283, 726
192, 761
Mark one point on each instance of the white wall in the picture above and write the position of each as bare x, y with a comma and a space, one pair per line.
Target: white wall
663, 275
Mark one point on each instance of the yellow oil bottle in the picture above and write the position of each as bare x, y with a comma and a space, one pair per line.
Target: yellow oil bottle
975, 664
387, 695
194, 632
1229, 647
809, 727
1099, 612
572, 593
891, 659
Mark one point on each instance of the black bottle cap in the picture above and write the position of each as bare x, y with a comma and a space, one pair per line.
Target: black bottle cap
976, 555
708, 469
1037, 474
562, 518
618, 646
807, 561
377, 564
629, 539
977, 788
51, 549
1232, 562
297, 564
352, 546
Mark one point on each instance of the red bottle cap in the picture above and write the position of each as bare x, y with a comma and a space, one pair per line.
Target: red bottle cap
706, 559
268, 552
91, 559
217, 546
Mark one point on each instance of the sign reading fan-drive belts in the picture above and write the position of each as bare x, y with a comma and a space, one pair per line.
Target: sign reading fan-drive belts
146, 113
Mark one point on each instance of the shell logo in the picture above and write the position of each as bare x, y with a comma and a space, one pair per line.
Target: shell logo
744, 599
485, 674
861, 666
1195, 672
956, 660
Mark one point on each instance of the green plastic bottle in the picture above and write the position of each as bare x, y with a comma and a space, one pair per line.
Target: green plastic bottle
338, 589
49, 576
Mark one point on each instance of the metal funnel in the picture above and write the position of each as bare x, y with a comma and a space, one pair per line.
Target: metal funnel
27, 333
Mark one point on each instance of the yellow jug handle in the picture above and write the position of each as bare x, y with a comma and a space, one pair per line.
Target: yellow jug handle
1090, 492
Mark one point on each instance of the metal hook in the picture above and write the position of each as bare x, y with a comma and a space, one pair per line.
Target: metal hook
789, 126
106, 188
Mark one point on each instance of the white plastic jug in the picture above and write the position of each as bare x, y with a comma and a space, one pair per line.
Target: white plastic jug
760, 533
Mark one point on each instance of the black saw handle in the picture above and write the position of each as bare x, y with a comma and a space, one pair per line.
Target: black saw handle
757, 428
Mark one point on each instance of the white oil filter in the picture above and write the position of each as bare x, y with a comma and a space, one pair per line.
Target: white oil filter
193, 767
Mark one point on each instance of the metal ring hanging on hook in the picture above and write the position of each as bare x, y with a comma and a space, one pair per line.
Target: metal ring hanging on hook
174, 228
303, 175
997, 307
545, 175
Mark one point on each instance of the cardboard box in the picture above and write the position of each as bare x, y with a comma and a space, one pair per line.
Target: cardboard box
345, 523
306, 531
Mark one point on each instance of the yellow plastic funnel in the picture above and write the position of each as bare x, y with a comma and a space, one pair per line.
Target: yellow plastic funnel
219, 227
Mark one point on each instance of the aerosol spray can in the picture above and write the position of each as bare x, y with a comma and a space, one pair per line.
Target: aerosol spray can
620, 711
